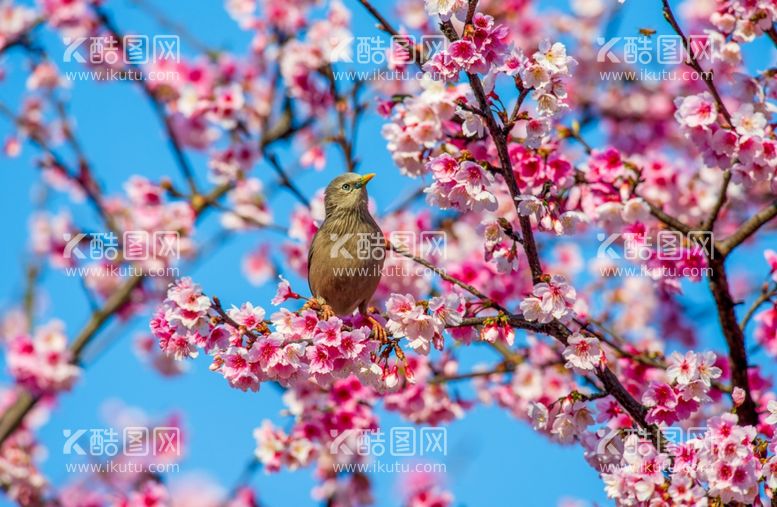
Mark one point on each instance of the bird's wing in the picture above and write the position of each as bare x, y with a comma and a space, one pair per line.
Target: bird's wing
310, 260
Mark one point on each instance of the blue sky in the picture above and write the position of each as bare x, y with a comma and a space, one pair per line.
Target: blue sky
491, 456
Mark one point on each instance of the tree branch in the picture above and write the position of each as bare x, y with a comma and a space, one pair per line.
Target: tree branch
748, 228
766, 295
13, 417
709, 224
694, 63
156, 104
735, 338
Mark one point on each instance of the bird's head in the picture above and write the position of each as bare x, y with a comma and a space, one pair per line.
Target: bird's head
347, 192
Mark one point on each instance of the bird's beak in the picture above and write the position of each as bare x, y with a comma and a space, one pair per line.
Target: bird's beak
365, 179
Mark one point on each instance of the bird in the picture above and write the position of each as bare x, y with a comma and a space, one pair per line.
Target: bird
346, 256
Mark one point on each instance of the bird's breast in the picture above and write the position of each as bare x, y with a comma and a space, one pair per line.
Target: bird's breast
346, 260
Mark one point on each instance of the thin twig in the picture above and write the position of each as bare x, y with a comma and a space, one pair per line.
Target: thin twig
709, 224
667, 219
448, 278
341, 107
285, 180
766, 295
174, 26
385, 26
748, 228
694, 63
157, 105
772, 33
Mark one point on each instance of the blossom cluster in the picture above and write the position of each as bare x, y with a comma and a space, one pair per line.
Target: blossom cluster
420, 123
320, 416
544, 73
477, 51
245, 350
744, 20
42, 362
16, 19
690, 377
410, 320
462, 186
724, 459
550, 300
423, 401
746, 148
25, 484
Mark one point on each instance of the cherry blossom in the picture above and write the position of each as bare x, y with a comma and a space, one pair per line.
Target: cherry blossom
42, 361
550, 300
582, 352
696, 110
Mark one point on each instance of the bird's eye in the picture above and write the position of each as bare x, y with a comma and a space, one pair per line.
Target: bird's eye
346, 186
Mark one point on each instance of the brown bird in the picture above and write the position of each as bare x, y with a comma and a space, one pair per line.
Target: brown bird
347, 253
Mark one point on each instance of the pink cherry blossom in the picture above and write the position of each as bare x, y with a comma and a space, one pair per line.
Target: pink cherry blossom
582, 352
696, 110
43, 362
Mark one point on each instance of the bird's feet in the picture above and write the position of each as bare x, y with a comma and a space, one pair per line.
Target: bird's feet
325, 312
378, 330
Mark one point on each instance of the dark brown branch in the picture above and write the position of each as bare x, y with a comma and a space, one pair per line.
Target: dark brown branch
500, 140
608, 379
499, 137
559, 331
473, 5
709, 224
735, 338
667, 219
748, 228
